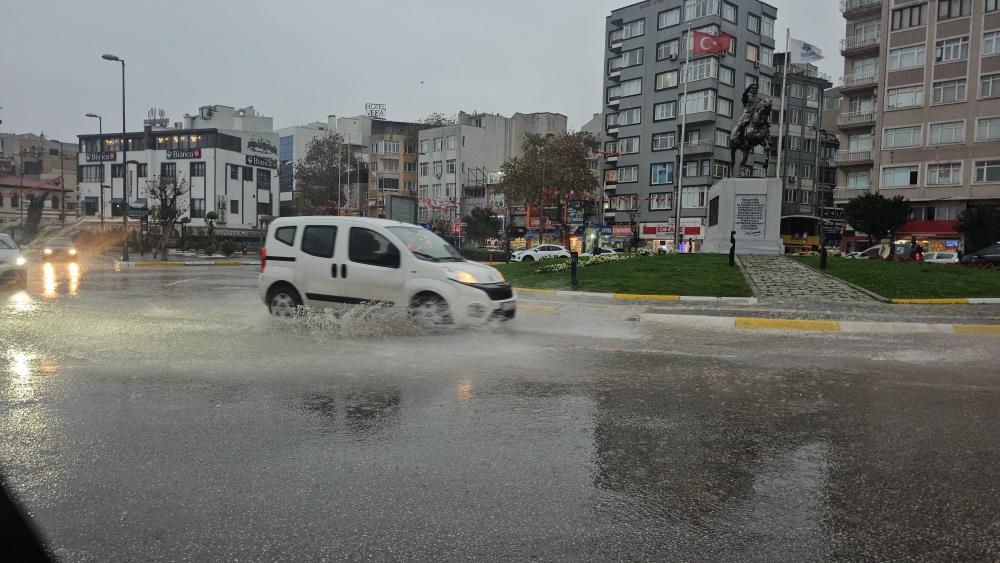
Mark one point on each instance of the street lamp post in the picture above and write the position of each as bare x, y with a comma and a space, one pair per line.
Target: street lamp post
125, 258
100, 139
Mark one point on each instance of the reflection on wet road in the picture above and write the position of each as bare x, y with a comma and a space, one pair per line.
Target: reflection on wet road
141, 418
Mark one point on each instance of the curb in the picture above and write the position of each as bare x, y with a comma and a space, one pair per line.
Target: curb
638, 296
948, 301
817, 326
176, 264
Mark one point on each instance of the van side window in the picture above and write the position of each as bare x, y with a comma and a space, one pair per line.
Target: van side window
318, 240
285, 235
368, 247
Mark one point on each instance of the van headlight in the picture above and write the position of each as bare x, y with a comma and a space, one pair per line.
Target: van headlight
72, 252
500, 276
47, 251
461, 276
20, 261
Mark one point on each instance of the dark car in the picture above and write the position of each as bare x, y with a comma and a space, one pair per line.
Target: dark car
59, 249
988, 255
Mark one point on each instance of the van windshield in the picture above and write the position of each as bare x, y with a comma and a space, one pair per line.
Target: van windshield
426, 245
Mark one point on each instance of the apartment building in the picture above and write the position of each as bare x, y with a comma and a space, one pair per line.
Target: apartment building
920, 114
645, 46
227, 156
31, 165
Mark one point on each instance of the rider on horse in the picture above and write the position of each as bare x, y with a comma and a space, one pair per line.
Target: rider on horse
752, 130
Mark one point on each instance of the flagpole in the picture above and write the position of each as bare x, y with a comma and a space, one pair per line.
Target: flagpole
781, 114
684, 115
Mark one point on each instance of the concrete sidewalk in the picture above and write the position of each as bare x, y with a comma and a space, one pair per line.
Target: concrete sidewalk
815, 325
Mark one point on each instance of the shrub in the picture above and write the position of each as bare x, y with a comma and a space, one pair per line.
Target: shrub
210, 249
228, 247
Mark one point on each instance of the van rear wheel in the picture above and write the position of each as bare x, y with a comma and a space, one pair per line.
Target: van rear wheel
283, 301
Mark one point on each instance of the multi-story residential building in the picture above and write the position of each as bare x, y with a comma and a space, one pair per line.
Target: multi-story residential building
31, 165
920, 115
293, 144
227, 156
804, 193
645, 46
388, 186
460, 163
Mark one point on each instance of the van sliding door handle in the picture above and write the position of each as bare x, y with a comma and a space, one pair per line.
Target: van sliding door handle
333, 270
343, 270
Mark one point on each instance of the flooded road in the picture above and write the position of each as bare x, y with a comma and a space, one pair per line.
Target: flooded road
163, 415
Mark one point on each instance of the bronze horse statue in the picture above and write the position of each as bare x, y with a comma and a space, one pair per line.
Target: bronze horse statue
753, 130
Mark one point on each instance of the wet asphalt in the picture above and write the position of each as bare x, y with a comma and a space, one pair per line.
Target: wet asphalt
162, 415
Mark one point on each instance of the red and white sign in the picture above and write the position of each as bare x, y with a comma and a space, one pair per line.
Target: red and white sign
708, 44
621, 231
691, 228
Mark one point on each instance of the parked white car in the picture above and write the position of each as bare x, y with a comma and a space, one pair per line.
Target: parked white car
599, 252
870, 252
13, 266
540, 252
332, 261
941, 257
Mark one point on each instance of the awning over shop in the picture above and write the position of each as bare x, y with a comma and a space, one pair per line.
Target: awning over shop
928, 229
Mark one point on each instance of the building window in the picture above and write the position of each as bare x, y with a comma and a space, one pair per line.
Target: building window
906, 57
992, 5
701, 69
693, 197
424, 166
436, 191
949, 91
753, 23
629, 30
629, 116
628, 174
706, 167
807, 171
694, 9
902, 137
989, 85
451, 144
753, 53
948, 9
263, 179
991, 43
795, 116
794, 143
859, 179
438, 168
811, 118
900, 176
956, 49
409, 167
627, 88
234, 172
860, 142
988, 129
388, 184
117, 170
198, 169
423, 146
628, 145
767, 27
725, 107
668, 18
721, 138
988, 171
943, 133
663, 141
451, 166
632, 57
410, 186
729, 12
905, 18
766, 56
727, 75
861, 104
666, 79
661, 173
702, 100
438, 144
690, 168
907, 97
234, 206
197, 208
667, 49
948, 174
796, 90
168, 170
665, 110
92, 173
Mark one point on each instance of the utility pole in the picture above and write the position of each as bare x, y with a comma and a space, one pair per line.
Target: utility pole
125, 257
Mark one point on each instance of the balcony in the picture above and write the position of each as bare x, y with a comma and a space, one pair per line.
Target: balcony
859, 44
857, 8
854, 81
841, 193
611, 157
857, 156
616, 44
700, 146
615, 74
613, 101
800, 70
856, 119
613, 130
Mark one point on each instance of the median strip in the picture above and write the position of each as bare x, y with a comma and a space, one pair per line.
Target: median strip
817, 326
119, 265
638, 296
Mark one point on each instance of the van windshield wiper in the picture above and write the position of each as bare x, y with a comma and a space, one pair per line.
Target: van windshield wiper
427, 257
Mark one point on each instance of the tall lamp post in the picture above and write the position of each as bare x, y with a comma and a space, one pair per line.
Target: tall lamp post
100, 139
114, 58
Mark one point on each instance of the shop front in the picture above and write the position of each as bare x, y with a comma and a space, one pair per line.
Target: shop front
660, 236
616, 236
932, 236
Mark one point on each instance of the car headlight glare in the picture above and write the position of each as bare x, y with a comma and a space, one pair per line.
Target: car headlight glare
48, 251
461, 276
72, 251
20, 261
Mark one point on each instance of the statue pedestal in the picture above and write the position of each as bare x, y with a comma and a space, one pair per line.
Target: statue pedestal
752, 208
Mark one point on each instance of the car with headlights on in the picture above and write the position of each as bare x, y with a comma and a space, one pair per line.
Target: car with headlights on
59, 250
13, 265
330, 262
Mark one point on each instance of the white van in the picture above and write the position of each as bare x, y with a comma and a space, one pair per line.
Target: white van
324, 261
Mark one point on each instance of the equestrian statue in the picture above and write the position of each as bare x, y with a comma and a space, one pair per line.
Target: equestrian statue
754, 129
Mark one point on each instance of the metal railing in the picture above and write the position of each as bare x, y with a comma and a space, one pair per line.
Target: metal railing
857, 155
842, 193
856, 118
860, 41
802, 71
848, 6
856, 80
700, 145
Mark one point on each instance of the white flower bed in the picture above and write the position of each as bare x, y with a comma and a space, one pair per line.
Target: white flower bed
592, 261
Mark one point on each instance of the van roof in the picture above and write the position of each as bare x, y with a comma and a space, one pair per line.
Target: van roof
319, 219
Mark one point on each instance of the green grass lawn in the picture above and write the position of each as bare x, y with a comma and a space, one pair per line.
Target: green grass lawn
677, 274
912, 280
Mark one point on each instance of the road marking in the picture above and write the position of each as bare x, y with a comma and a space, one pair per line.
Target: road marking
977, 329
535, 291
787, 324
641, 297
957, 301
179, 282
543, 309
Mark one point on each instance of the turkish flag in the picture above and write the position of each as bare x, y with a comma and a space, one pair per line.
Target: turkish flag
708, 44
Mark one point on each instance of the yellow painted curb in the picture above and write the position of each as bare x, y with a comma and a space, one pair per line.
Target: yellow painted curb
228, 263
158, 264
538, 291
787, 324
641, 297
977, 329
954, 301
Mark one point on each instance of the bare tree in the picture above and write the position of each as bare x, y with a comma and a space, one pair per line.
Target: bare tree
167, 206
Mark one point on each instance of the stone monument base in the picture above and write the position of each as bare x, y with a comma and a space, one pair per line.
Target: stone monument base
752, 208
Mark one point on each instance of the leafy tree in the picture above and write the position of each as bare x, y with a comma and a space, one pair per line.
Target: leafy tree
437, 119
167, 206
552, 171
481, 224
34, 215
318, 175
877, 216
896, 212
980, 226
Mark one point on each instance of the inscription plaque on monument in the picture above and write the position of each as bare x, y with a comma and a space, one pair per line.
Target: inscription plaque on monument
750, 215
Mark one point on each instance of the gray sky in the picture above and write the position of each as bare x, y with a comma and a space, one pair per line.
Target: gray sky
300, 60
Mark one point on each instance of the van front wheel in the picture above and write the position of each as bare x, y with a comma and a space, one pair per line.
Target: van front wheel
283, 301
430, 310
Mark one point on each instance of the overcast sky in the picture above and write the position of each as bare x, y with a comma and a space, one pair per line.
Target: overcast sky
300, 60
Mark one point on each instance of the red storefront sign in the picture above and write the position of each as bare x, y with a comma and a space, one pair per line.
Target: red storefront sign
928, 229
621, 230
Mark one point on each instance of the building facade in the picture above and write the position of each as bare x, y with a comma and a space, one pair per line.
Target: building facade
920, 109
645, 49
31, 166
227, 156
293, 144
